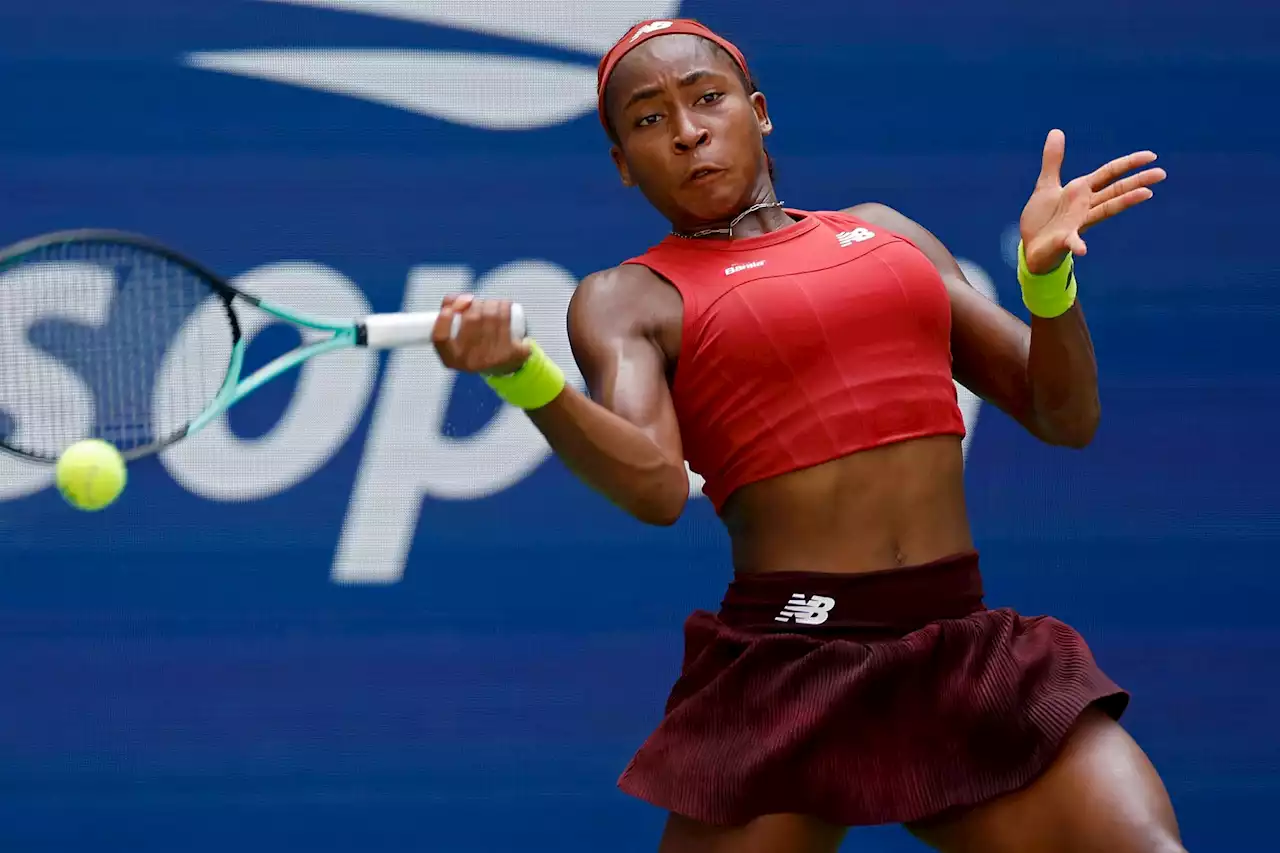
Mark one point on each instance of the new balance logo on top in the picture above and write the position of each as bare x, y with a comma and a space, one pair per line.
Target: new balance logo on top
857, 235
806, 611
750, 265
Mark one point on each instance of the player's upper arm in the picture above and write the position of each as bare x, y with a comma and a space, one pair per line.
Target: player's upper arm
989, 346
615, 319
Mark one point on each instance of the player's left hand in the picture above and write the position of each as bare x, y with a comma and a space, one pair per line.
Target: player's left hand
1056, 215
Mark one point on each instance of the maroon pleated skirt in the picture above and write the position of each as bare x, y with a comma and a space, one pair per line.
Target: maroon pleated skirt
885, 697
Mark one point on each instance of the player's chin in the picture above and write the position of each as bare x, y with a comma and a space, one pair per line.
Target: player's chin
714, 203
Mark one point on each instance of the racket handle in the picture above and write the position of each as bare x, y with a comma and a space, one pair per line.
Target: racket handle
413, 328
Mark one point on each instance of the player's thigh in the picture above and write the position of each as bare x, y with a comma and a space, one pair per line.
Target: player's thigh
1101, 795
779, 833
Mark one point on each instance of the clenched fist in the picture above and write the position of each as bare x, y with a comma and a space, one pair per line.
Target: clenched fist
483, 342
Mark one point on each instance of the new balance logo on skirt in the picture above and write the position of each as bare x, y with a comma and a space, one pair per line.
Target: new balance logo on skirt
806, 611
857, 235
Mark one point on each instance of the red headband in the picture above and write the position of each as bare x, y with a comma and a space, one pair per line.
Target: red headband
645, 30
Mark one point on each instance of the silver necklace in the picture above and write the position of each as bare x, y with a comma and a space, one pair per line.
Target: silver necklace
764, 205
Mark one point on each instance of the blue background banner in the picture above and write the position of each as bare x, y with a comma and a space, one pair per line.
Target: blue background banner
369, 612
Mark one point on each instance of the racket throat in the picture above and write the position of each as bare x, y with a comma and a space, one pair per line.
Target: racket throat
226, 395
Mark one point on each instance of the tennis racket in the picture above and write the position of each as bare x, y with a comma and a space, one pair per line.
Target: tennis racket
110, 335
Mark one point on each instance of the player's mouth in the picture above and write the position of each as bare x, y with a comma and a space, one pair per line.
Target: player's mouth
702, 174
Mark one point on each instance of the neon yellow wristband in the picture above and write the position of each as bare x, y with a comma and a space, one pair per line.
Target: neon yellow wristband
1051, 294
535, 384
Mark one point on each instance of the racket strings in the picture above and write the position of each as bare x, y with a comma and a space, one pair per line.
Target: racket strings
105, 340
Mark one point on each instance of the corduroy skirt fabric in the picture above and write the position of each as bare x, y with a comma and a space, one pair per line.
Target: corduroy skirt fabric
884, 697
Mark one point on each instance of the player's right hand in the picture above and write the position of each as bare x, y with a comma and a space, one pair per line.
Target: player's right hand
483, 343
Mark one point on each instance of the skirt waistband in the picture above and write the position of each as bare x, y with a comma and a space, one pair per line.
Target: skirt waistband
888, 603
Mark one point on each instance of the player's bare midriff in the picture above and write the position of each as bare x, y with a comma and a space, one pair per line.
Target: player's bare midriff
898, 505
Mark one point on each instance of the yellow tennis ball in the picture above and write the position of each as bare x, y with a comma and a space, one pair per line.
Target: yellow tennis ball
91, 475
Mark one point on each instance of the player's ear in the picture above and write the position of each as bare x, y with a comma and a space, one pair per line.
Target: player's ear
620, 162
761, 107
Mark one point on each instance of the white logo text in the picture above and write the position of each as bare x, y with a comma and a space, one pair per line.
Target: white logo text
752, 265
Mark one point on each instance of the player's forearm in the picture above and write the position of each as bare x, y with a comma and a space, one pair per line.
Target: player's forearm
1063, 377
614, 457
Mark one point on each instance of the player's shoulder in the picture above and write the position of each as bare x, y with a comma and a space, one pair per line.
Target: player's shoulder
613, 279
885, 218
617, 287
882, 215
618, 296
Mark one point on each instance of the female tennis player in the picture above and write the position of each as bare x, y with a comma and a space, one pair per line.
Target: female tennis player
803, 363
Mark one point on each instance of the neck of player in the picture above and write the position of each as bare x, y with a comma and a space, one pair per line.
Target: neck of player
758, 222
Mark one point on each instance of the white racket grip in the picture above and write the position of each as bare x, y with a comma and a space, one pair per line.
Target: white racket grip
413, 328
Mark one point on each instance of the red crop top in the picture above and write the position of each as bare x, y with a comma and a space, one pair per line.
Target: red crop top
803, 345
